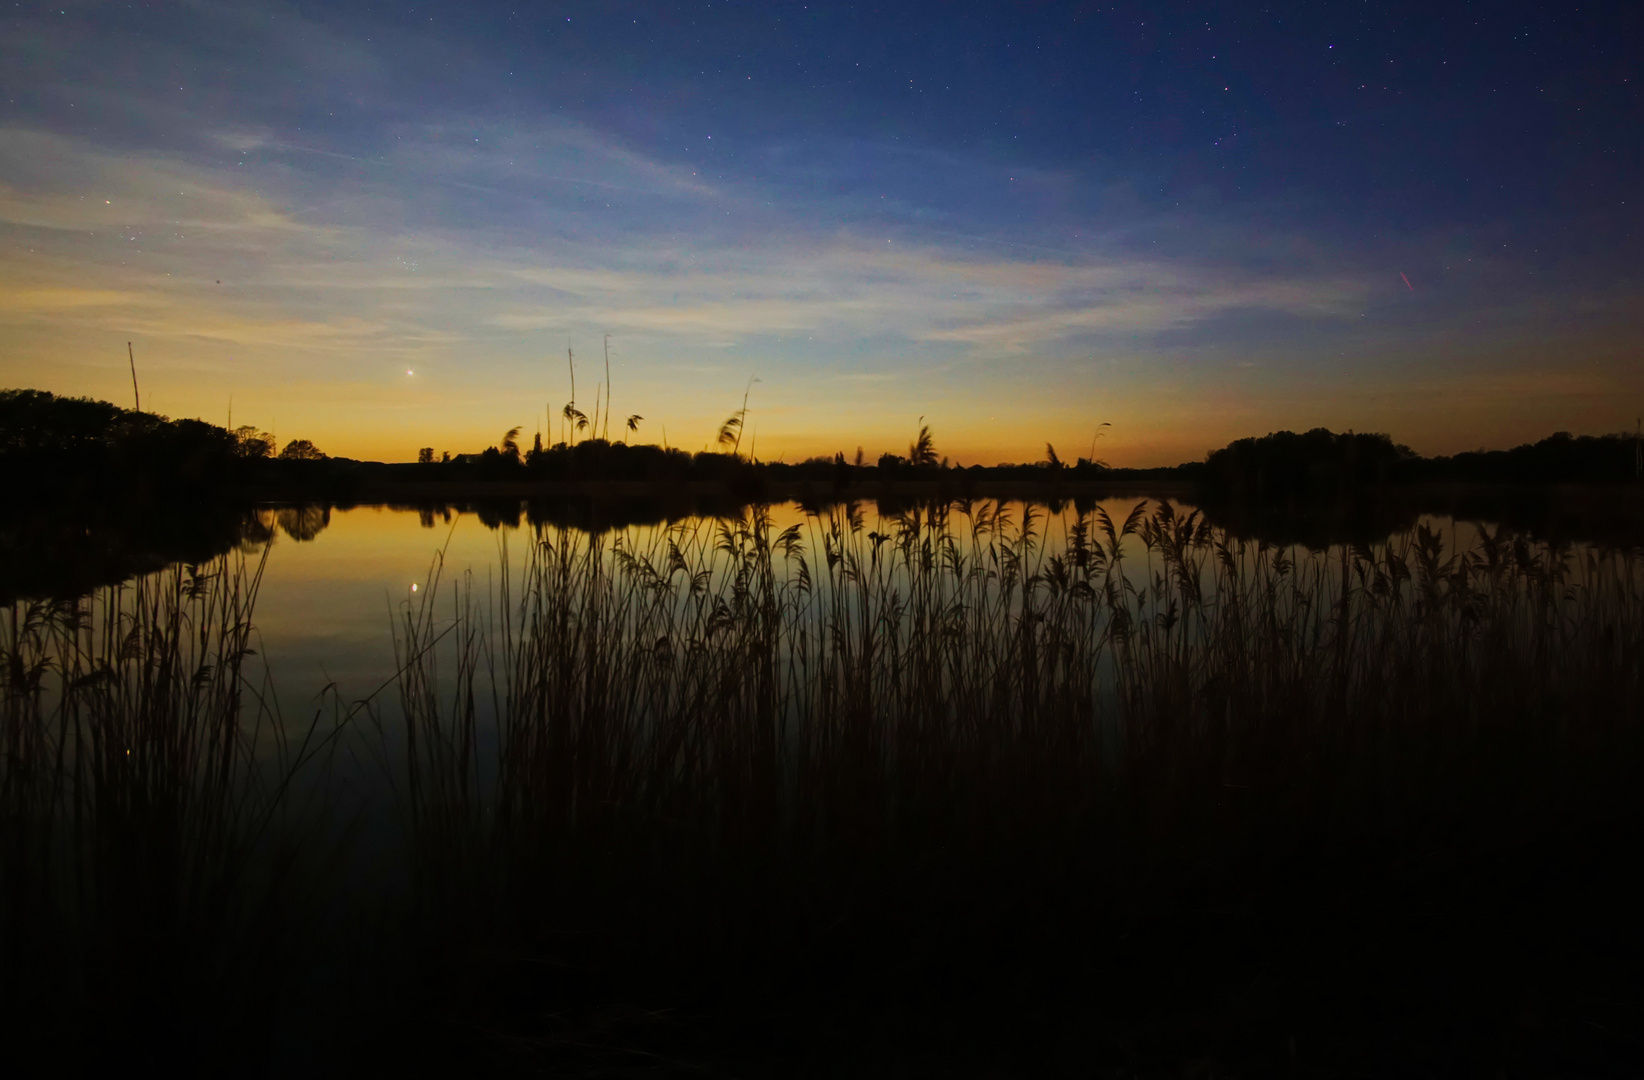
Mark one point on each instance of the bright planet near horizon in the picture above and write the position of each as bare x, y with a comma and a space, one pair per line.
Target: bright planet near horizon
1195, 222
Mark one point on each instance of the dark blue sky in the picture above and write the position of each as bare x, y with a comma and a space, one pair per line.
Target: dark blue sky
1196, 220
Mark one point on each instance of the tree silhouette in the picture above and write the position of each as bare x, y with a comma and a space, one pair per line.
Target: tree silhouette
301, 450
251, 443
425, 456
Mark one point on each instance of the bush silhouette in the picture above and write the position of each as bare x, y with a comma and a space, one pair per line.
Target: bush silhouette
301, 450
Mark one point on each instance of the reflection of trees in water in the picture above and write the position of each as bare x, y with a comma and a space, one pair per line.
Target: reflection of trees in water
1610, 517
257, 530
303, 523
68, 550
499, 515
582, 513
1315, 525
1603, 516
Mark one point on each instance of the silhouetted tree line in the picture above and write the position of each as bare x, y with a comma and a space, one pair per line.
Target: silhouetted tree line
600, 459
79, 448
1284, 467
1560, 458
1287, 467
1281, 467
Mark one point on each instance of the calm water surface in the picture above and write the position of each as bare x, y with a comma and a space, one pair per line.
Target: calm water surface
327, 602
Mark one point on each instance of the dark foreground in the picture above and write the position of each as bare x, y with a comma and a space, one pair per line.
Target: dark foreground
932, 801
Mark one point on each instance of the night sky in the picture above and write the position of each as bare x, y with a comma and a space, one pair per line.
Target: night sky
380, 226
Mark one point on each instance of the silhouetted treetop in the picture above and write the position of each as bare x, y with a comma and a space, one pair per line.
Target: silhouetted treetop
1559, 458
1284, 465
54, 433
66, 447
252, 443
36, 421
301, 450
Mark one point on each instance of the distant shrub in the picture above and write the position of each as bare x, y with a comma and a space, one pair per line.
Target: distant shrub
251, 443
301, 450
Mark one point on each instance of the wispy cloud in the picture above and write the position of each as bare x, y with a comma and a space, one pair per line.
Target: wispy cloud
464, 253
332, 263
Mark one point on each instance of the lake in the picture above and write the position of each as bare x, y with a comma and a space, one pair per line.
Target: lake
785, 741
335, 577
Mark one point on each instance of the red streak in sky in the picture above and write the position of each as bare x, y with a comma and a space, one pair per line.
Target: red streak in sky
1407, 284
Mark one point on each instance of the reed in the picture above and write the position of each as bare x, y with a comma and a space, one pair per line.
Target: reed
973, 782
942, 765
152, 879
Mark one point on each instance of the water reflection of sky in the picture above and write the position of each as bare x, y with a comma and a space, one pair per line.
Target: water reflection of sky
327, 603
325, 609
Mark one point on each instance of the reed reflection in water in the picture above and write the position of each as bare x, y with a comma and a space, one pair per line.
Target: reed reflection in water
732, 660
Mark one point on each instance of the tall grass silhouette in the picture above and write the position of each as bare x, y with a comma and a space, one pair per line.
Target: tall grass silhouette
947, 766
971, 779
152, 848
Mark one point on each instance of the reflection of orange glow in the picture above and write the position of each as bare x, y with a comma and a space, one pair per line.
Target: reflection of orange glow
327, 604
363, 555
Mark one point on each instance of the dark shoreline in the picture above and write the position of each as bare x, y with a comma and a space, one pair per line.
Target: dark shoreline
62, 544
373, 491
382, 492
1608, 514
